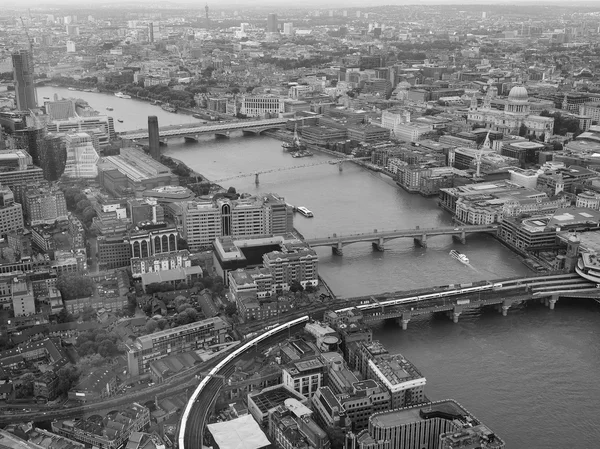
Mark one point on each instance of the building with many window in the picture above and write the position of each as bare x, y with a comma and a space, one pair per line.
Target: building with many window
11, 213
189, 337
294, 263
203, 222
437, 425
261, 105
45, 204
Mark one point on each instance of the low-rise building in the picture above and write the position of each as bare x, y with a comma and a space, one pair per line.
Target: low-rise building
111, 433
96, 385
147, 348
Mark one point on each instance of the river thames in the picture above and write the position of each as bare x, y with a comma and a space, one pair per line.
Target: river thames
530, 376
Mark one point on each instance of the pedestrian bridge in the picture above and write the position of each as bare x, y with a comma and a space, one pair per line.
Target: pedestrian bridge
378, 238
193, 132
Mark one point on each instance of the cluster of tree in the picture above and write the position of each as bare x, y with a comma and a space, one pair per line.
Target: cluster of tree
74, 286
563, 125
165, 94
67, 377
64, 316
290, 64
6, 76
5, 342
156, 325
24, 387
97, 342
78, 203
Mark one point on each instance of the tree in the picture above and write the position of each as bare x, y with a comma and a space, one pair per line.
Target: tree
64, 316
296, 286
88, 313
162, 324
310, 288
230, 309
74, 286
192, 314
131, 303
67, 377
522, 130
337, 437
151, 326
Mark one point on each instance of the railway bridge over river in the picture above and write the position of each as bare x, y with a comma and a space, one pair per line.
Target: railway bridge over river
452, 300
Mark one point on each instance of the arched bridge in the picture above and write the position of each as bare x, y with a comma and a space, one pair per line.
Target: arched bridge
190, 131
378, 238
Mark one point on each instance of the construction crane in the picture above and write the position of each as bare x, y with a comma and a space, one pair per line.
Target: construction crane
29, 41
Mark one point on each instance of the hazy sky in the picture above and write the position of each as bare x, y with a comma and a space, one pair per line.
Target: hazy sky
304, 3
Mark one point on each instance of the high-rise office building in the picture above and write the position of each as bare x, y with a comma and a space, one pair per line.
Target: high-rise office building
288, 28
272, 23
11, 213
31, 139
17, 171
53, 156
153, 137
81, 156
25, 93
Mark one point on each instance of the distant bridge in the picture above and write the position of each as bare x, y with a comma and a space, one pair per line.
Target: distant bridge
257, 174
194, 132
378, 238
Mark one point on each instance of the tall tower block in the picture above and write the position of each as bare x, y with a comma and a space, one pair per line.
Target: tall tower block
153, 137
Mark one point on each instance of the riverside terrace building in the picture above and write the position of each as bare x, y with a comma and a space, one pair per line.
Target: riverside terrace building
538, 232
585, 247
133, 170
189, 337
230, 254
437, 425
203, 222
109, 432
486, 203
396, 374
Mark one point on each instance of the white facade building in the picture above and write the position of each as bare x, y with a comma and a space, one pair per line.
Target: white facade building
82, 158
260, 105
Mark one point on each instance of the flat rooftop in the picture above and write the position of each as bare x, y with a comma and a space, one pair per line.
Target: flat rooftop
447, 409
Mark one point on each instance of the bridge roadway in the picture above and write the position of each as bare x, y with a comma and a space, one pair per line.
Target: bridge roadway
378, 238
192, 131
547, 288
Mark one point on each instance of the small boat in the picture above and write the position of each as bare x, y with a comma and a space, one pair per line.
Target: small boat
119, 120
304, 211
46, 98
109, 109
460, 257
72, 88
333, 162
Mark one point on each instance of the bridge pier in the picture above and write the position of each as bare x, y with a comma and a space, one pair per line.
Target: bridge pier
340, 165
455, 313
421, 241
403, 320
223, 134
338, 249
551, 302
463, 238
191, 138
379, 245
256, 179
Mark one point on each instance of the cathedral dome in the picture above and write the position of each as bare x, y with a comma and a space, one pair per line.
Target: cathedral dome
518, 93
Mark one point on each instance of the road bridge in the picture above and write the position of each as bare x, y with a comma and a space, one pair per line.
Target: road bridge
378, 238
452, 300
194, 132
